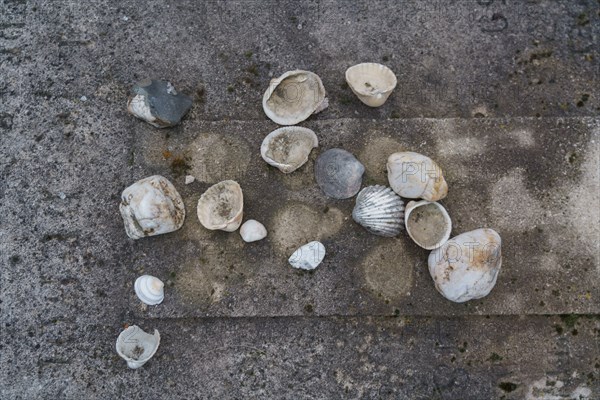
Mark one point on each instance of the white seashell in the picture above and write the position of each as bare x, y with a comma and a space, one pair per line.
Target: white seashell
371, 82
288, 148
151, 206
294, 96
136, 346
221, 206
252, 230
415, 176
427, 223
149, 289
466, 266
309, 256
379, 210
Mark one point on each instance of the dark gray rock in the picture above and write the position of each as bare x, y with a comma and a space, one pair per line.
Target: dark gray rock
158, 103
338, 173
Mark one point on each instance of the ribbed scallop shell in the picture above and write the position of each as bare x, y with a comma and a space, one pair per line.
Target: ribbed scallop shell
379, 210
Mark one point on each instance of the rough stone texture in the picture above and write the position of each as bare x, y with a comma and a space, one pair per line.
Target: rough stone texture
69, 148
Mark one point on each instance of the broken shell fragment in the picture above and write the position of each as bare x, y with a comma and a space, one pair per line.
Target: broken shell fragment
415, 176
294, 96
338, 173
252, 230
221, 206
136, 346
466, 267
158, 103
149, 289
308, 257
379, 210
288, 148
427, 223
151, 206
371, 82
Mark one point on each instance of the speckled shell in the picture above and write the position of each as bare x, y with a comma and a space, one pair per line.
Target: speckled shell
371, 82
415, 176
379, 210
136, 346
466, 267
158, 103
149, 289
288, 148
308, 257
440, 232
223, 196
338, 173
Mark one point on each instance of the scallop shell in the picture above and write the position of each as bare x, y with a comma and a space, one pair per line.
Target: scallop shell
371, 82
149, 289
338, 173
221, 206
308, 257
466, 267
379, 210
427, 223
294, 96
158, 103
415, 176
151, 206
252, 230
136, 346
288, 148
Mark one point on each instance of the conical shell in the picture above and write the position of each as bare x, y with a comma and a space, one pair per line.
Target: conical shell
288, 148
379, 210
371, 82
427, 223
294, 96
338, 173
149, 289
221, 206
415, 176
136, 346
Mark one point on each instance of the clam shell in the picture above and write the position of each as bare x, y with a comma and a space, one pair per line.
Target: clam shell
371, 82
252, 230
338, 173
136, 346
288, 148
221, 206
379, 210
158, 103
466, 267
294, 96
415, 176
427, 223
149, 289
308, 257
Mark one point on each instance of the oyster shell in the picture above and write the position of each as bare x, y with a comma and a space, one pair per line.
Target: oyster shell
149, 289
379, 210
415, 176
221, 206
338, 173
371, 82
252, 230
308, 257
158, 103
427, 223
288, 148
136, 346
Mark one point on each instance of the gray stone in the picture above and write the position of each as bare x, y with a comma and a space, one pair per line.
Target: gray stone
158, 103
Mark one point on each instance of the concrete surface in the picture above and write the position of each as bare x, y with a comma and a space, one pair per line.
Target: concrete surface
503, 94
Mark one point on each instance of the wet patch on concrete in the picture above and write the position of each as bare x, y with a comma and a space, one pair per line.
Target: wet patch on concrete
374, 157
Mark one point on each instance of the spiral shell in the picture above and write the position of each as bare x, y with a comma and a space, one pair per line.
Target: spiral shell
379, 210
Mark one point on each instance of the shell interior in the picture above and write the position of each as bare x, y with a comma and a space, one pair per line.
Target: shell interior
371, 78
288, 148
220, 204
379, 210
427, 225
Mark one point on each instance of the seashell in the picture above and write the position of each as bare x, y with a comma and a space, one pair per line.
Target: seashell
149, 289
158, 103
308, 257
221, 206
288, 148
136, 346
427, 223
379, 210
252, 230
151, 206
338, 173
466, 266
294, 96
371, 82
415, 176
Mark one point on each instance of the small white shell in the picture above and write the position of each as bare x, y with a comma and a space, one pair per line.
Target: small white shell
252, 230
221, 206
371, 82
136, 346
466, 267
415, 176
288, 148
379, 210
427, 223
308, 257
294, 96
151, 206
149, 289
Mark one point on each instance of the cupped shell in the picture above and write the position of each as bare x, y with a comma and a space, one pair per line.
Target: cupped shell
149, 289
466, 267
415, 176
427, 223
379, 210
288, 148
294, 96
371, 82
338, 173
221, 206
136, 346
